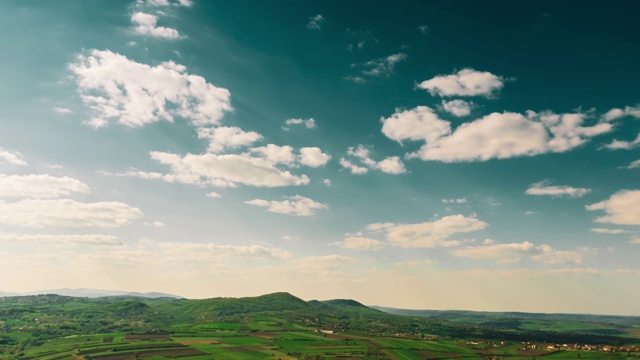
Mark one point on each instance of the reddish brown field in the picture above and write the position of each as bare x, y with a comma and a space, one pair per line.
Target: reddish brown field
244, 348
199, 342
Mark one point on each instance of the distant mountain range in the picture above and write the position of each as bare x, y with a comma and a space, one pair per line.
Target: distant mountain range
93, 293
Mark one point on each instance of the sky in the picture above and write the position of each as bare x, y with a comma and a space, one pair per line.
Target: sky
477, 155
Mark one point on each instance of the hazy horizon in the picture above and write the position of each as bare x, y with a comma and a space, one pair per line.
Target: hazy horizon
475, 155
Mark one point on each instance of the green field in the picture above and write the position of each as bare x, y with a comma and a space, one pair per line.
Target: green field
280, 326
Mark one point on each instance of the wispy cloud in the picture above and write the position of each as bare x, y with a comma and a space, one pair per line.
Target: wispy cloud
315, 22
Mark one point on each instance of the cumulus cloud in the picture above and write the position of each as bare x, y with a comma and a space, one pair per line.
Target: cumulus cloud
228, 170
222, 138
60, 240
494, 136
543, 188
135, 94
514, 252
276, 154
313, 157
466, 82
622, 208
355, 169
12, 157
308, 156
64, 212
458, 107
315, 22
420, 123
158, 224
389, 165
360, 243
145, 24
293, 205
326, 182
617, 113
634, 164
429, 234
213, 195
308, 123
39, 186
623, 145
378, 227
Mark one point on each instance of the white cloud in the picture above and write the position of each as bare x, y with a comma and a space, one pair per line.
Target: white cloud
315, 22
276, 154
227, 170
135, 94
623, 145
429, 234
222, 138
635, 241
543, 188
420, 123
207, 251
355, 169
145, 24
617, 113
494, 136
634, 164
213, 195
514, 252
454, 201
186, 3
152, 2
457, 108
65, 212
609, 231
313, 157
622, 208
423, 28
356, 79
60, 240
466, 82
12, 157
62, 110
309, 123
382, 67
39, 186
389, 165
378, 227
293, 205
360, 243
158, 224
488, 242
326, 182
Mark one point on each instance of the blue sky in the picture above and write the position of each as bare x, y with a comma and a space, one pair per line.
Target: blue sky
468, 155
